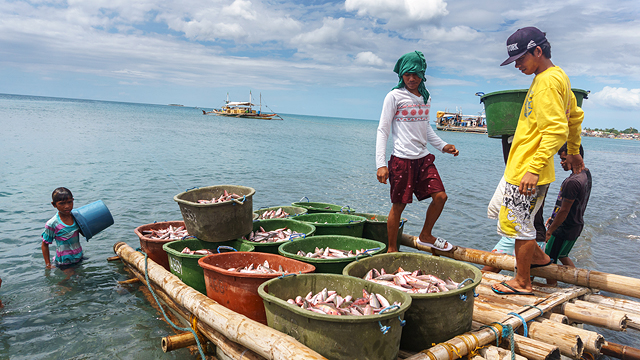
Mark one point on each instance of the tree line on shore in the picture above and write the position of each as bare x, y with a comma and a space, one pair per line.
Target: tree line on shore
629, 130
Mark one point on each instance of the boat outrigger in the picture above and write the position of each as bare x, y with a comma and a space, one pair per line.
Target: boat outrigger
455, 121
243, 110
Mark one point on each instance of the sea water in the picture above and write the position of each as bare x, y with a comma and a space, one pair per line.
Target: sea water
136, 157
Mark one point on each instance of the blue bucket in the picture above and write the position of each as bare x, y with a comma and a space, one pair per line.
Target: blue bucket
92, 218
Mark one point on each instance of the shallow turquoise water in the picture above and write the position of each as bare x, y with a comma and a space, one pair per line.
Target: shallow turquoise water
136, 157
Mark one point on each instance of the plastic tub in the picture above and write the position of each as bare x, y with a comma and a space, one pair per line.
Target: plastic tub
435, 317
92, 218
332, 266
153, 247
273, 224
320, 207
335, 337
185, 266
334, 224
291, 210
375, 228
217, 222
239, 291
503, 109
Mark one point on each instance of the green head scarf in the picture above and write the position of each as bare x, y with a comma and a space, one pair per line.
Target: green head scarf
412, 62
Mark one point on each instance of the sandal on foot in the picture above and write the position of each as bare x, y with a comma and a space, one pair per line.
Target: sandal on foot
440, 244
512, 292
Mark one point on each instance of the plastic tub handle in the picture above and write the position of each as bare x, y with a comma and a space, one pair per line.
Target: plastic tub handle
193, 188
293, 236
304, 197
225, 247
348, 209
241, 202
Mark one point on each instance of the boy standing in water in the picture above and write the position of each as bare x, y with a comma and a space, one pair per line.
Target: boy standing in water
63, 229
549, 117
405, 113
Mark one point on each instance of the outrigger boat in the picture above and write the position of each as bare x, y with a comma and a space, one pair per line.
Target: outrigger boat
545, 317
243, 110
455, 121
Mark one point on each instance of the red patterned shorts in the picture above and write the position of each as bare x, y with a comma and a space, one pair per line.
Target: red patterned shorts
408, 177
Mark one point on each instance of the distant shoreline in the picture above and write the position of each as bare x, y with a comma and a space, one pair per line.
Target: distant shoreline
600, 134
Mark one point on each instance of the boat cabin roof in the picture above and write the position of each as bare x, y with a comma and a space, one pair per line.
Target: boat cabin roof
237, 103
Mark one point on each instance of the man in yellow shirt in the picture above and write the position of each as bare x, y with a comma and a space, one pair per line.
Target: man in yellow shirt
549, 118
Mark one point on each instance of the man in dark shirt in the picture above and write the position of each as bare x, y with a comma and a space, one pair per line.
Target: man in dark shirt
566, 222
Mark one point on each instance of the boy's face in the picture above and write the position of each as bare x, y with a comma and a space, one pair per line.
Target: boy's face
528, 63
411, 81
64, 206
563, 161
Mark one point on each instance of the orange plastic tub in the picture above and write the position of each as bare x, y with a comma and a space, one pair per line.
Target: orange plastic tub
239, 291
153, 247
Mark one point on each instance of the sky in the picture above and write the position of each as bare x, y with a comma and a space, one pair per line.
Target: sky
324, 58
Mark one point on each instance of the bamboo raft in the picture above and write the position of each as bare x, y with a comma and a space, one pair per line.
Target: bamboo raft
549, 315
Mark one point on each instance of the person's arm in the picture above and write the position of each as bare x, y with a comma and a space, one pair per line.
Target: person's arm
45, 254
384, 129
561, 215
574, 160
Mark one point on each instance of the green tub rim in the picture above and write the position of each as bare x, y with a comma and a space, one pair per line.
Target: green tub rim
315, 238
476, 281
334, 318
177, 253
357, 219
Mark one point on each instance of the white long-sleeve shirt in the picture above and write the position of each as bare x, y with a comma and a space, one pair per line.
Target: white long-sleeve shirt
406, 116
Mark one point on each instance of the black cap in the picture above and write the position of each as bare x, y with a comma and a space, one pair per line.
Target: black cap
521, 41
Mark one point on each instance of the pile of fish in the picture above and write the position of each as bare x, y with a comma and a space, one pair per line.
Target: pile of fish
330, 303
416, 282
170, 233
329, 253
263, 236
186, 250
224, 197
264, 268
273, 214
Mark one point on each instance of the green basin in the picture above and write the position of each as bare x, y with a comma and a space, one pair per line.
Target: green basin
273, 224
334, 223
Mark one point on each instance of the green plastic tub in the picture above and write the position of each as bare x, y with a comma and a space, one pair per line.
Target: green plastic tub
273, 224
334, 224
291, 210
432, 318
375, 228
185, 266
335, 337
320, 207
331, 266
217, 222
503, 109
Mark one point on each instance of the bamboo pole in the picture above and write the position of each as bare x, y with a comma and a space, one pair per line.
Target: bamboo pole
569, 343
492, 297
592, 340
619, 351
174, 342
263, 340
633, 319
628, 306
527, 347
113, 258
230, 348
493, 352
129, 281
593, 279
486, 335
585, 312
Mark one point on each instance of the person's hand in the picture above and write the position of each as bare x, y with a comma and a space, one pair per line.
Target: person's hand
383, 174
528, 184
451, 149
575, 163
547, 237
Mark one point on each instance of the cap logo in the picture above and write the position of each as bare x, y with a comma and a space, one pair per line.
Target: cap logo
531, 44
512, 47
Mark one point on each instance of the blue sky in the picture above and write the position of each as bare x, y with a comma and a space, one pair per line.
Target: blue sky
328, 58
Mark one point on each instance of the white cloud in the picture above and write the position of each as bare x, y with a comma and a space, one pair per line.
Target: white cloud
621, 98
399, 12
368, 58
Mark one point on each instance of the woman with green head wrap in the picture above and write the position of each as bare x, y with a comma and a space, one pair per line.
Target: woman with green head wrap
405, 115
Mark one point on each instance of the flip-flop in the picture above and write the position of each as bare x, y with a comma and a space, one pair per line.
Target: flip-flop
438, 244
533, 266
512, 292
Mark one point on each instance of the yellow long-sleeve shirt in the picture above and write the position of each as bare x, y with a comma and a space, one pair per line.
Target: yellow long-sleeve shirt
549, 117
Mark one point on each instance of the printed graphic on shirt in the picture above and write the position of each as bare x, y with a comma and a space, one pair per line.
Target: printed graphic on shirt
412, 113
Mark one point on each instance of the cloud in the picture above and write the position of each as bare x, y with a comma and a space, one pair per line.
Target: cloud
619, 98
368, 58
400, 13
